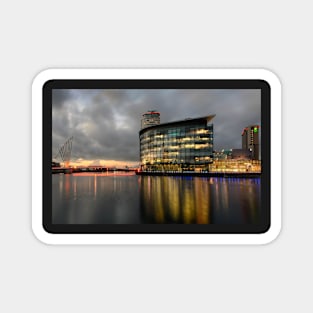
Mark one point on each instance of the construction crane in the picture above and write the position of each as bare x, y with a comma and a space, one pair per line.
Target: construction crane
65, 152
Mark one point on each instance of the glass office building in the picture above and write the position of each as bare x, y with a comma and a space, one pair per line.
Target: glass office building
185, 145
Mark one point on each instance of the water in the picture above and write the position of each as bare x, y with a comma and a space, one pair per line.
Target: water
101, 198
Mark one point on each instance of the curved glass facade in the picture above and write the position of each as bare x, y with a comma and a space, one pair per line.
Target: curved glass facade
177, 146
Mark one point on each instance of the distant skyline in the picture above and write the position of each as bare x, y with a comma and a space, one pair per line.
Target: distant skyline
105, 124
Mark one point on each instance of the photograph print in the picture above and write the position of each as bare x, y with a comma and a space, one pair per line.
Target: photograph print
156, 157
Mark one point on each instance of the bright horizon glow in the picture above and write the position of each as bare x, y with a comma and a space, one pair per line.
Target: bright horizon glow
106, 163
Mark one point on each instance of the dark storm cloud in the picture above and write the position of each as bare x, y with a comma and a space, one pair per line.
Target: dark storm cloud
60, 97
105, 123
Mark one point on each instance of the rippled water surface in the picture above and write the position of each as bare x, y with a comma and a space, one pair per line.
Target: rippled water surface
123, 198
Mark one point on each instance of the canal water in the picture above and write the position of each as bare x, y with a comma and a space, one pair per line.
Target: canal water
123, 198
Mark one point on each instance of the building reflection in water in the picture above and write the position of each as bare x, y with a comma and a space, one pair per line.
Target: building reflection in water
196, 200
174, 200
131, 199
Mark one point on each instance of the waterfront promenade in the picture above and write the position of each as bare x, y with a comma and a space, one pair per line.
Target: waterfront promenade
203, 174
227, 174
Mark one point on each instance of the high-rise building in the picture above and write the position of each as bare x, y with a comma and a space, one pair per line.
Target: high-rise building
250, 140
185, 145
150, 118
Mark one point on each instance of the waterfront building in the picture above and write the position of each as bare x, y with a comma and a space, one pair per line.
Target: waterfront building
234, 161
250, 140
185, 145
235, 166
150, 118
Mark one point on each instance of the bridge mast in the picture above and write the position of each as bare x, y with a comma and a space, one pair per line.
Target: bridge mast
65, 152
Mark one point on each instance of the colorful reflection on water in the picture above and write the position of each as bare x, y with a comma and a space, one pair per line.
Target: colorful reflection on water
197, 200
124, 198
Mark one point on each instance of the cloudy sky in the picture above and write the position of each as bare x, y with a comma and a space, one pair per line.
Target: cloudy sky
105, 123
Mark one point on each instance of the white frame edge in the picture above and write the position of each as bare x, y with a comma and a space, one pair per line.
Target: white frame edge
156, 239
